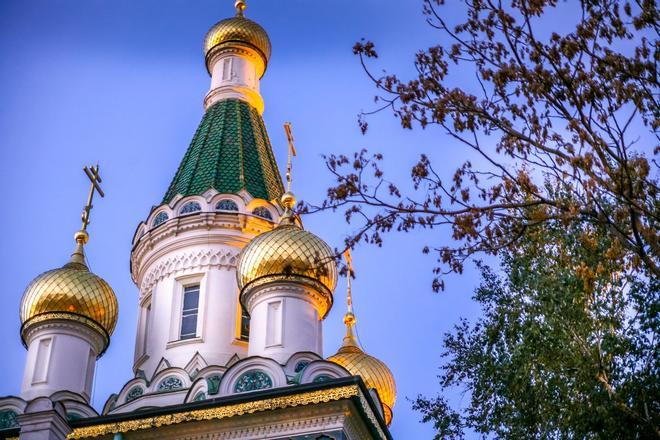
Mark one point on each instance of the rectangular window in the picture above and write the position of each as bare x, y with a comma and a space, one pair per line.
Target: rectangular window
190, 311
43, 358
226, 69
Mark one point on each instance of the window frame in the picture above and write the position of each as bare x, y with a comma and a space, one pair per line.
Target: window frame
180, 283
190, 312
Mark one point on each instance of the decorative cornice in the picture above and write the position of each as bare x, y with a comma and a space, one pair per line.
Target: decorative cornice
186, 261
216, 227
291, 287
74, 323
312, 397
240, 50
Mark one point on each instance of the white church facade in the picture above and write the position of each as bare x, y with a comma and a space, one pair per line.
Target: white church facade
232, 296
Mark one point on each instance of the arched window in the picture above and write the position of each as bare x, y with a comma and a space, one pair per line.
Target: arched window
226, 205
190, 207
170, 383
300, 366
253, 380
322, 378
262, 212
134, 393
8, 419
160, 218
199, 397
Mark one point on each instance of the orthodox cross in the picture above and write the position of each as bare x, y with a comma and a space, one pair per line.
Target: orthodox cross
349, 265
94, 177
291, 153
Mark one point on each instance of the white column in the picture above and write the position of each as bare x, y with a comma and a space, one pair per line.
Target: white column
235, 76
284, 320
61, 357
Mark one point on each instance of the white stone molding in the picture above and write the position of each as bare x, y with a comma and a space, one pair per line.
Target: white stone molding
161, 375
75, 406
183, 263
163, 365
13, 403
307, 356
269, 366
66, 327
283, 289
196, 363
123, 394
198, 386
322, 367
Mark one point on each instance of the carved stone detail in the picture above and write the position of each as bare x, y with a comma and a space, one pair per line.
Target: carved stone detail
206, 258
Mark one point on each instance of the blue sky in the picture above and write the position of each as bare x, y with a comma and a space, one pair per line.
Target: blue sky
121, 82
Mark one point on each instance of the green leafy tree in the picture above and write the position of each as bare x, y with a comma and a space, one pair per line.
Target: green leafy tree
577, 105
567, 346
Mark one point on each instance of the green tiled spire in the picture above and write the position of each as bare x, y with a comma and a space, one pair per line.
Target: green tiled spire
229, 152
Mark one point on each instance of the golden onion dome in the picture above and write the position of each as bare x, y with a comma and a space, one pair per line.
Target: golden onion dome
238, 31
288, 253
70, 293
373, 372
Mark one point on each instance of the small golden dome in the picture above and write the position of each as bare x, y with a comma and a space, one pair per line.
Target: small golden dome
286, 253
238, 31
72, 293
374, 372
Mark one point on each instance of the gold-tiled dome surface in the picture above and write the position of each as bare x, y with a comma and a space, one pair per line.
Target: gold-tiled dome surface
73, 289
374, 373
287, 251
239, 30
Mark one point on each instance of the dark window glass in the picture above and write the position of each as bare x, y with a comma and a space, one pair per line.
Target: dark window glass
245, 325
189, 314
190, 207
226, 205
263, 213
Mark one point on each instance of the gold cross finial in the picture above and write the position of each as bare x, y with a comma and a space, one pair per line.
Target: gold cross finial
240, 6
291, 153
349, 319
94, 177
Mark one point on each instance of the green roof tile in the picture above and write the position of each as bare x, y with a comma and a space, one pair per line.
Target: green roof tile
229, 152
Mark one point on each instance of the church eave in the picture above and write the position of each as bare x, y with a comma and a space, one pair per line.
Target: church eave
351, 388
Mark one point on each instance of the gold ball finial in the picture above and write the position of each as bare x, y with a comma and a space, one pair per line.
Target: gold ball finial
349, 319
240, 6
81, 237
288, 200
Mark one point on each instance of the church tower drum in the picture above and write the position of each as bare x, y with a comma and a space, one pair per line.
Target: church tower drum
224, 193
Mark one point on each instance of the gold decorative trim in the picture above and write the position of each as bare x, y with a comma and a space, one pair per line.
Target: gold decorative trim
312, 397
65, 316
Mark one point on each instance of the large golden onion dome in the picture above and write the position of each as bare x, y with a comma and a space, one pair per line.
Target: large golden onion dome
238, 31
70, 293
288, 253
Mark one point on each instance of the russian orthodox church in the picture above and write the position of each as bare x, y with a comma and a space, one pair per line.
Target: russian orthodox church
233, 292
